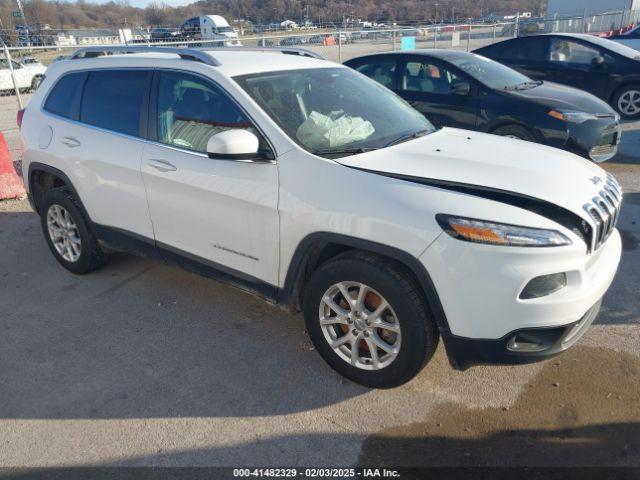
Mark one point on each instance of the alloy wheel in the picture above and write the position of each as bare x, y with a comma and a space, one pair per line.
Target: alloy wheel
360, 325
629, 102
64, 233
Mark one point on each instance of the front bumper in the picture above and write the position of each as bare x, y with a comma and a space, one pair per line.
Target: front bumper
479, 286
540, 344
596, 140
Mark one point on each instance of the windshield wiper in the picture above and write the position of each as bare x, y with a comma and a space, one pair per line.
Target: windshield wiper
406, 138
342, 151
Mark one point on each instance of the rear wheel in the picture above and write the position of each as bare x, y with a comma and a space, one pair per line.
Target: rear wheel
627, 101
368, 320
67, 233
514, 131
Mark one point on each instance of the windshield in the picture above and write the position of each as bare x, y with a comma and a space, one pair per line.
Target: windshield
225, 29
615, 47
334, 110
492, 74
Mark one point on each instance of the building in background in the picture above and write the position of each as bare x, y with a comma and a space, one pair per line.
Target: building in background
567, 8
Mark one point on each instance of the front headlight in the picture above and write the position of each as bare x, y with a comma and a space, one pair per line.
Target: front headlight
482, 231
571, 116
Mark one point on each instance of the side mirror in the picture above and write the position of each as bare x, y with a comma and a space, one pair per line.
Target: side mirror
463, 89
235, 144
597, 62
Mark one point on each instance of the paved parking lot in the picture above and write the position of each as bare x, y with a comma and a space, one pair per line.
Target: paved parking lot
145, 364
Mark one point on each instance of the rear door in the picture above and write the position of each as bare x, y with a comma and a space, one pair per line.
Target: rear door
381, 68
428, 84
95, 121
528, 55
221, 212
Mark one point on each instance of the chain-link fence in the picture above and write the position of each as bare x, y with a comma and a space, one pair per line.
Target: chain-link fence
26, 54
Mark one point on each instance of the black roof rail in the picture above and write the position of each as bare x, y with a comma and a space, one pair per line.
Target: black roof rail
303, 52
201, 54
184, 53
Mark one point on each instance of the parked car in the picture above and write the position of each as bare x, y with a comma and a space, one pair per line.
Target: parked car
602, 67
28, 77
292, 41
464, 90
307, 184
28, 61
165, 35
629, 39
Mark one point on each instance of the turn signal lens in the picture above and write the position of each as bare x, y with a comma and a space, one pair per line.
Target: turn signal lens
572, 116
558, 115
481, 231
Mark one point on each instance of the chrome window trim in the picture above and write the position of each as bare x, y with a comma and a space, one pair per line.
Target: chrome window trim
47, 113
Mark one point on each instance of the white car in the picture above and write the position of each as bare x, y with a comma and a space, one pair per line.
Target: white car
28, 77
314, 187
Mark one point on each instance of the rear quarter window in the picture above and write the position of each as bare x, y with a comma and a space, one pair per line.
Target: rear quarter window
113, 100
61, 99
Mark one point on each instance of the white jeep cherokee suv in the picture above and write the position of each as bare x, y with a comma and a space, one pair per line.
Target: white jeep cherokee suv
318, 189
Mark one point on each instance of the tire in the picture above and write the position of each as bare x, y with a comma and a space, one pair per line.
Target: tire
414, 344
626, 101
81, 252
514, 131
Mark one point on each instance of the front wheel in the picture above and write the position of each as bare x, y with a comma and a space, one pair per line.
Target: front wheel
369, 321
627, 101
514, 131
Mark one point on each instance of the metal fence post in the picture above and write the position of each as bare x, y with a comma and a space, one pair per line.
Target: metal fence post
339, 46
516, 29
469, 37
262, 41
394, 41
435, 37
494, 33
13, 75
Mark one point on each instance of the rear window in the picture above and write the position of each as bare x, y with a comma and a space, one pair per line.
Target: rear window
60, 100
113, 100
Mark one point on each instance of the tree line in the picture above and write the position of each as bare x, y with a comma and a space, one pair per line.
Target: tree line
59, 14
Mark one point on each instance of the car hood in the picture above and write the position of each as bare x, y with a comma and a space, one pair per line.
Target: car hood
488, 161
554, 95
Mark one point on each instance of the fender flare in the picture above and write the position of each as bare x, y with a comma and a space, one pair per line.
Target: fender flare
304, 248
37, 166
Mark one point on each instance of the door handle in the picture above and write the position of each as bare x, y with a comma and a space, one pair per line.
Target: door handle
70, 142
162, 165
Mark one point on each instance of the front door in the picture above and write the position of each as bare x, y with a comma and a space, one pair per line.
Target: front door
429, 86
224, 212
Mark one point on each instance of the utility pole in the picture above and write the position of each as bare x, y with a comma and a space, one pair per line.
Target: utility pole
24, 19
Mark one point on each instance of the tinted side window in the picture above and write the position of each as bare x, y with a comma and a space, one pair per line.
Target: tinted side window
521, 49
427, 77
113, 100
191, 110
381, 70
60, 100
568, 51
